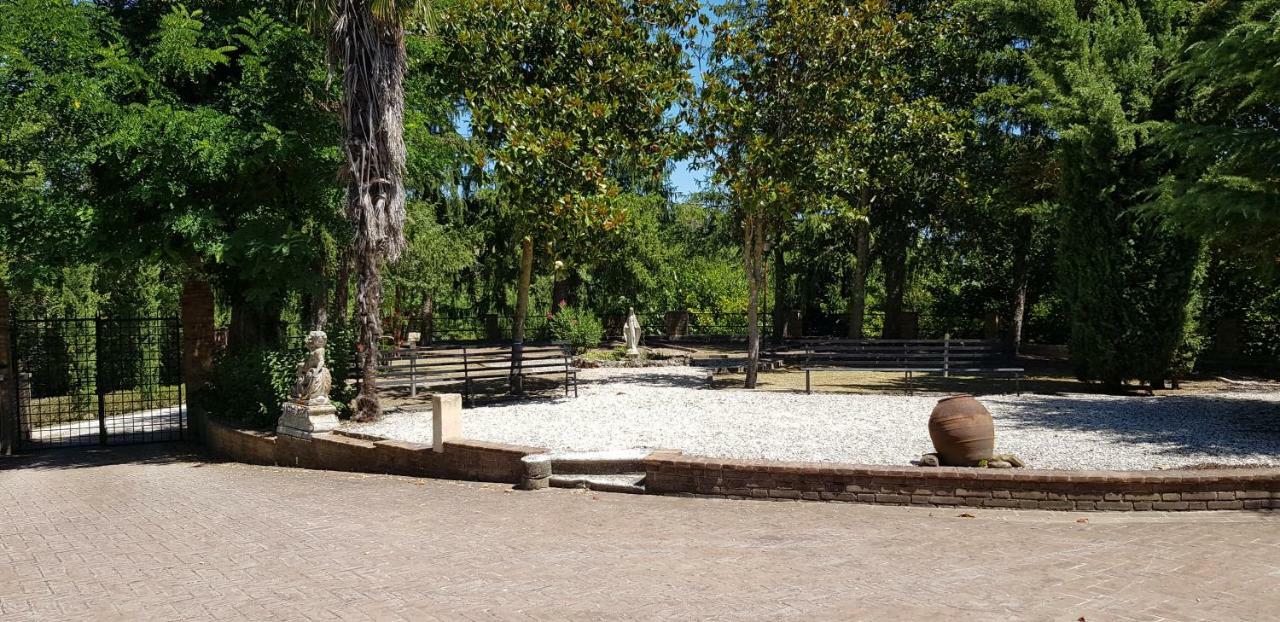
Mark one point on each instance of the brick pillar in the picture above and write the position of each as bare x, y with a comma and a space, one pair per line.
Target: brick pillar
197, 341
8, 381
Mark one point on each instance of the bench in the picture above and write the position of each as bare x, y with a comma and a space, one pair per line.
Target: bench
471, 365
908, 356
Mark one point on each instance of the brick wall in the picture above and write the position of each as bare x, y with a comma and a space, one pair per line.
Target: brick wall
8, 381
1227, 489
468, 460
197, 332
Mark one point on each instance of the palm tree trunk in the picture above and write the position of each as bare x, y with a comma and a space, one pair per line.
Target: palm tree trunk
373, 64
368, 308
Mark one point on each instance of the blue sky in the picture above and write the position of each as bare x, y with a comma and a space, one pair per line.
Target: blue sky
686, 181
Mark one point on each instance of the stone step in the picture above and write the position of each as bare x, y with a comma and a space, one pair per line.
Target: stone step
599, 462
631, 483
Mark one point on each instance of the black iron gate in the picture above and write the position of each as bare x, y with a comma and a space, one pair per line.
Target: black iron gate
94, 381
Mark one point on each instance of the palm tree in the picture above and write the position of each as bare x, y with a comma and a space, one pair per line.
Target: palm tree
366, 42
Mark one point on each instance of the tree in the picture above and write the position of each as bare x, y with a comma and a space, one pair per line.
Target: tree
1226, 132
812, 104
1129, 283
562, 91
187, 135
432, 258
366, 40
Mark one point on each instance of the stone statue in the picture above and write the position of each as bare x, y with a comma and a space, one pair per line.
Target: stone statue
632, 333
308, 411
314, 381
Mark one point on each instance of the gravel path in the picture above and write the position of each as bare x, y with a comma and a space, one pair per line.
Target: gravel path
673, 408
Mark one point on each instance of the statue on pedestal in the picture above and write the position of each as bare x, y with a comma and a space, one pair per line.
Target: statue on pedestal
632, 333
314, 381
308, 410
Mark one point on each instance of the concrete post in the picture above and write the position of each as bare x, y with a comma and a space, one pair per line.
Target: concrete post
446, 419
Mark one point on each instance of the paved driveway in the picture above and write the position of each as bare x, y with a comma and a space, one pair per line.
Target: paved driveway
156, 533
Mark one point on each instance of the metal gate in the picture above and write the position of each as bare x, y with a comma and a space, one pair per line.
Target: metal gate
95, 381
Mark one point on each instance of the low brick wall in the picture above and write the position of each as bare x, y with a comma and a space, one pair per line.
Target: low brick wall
469, 460
1226, 489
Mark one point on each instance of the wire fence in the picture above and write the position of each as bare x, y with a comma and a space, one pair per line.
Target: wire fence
90, 381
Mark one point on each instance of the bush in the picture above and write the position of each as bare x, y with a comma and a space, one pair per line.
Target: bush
249, 387
576, 327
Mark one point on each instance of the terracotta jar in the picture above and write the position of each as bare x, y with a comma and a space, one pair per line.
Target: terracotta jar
962, 431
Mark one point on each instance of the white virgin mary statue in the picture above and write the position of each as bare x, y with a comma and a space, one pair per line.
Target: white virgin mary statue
631, 332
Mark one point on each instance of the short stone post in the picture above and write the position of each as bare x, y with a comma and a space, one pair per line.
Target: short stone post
308, 412
537, 472
446, 419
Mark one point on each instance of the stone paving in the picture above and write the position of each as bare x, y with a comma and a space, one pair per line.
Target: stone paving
159, 533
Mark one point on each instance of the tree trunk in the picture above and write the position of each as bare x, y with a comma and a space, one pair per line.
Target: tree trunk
342, 289
428, 319
397, 317
522, 310
753, 251
1022, 248
858, 290
894, 263
316, 302
780, 306
370, 50
253, 327
368, 308
565, 290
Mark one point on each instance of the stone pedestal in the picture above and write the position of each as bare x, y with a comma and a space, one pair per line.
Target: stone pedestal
303, 421
446, 419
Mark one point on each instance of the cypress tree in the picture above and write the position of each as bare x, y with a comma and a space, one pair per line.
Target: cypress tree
1129, 281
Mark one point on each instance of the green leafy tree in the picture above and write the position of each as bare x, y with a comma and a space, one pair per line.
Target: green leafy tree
1226, 132
192, 135
557, 93
1130, 285
433, 258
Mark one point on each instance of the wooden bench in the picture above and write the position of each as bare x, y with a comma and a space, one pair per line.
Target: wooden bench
470, 365
908, 356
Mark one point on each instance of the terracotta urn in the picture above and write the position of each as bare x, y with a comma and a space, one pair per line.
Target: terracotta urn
962, 431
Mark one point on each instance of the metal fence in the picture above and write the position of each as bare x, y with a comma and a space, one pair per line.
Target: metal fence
464, 326
95, 381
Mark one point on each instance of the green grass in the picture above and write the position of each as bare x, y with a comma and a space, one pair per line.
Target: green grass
873, 382
50, 410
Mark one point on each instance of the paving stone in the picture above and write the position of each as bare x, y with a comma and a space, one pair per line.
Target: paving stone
159, 533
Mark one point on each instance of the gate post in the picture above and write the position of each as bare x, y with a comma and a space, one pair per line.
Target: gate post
8, 381
99, 387
197, 344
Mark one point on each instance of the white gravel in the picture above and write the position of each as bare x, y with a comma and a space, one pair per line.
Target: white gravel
673, 407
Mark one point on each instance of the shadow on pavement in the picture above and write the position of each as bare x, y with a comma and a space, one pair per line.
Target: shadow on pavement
91, 456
